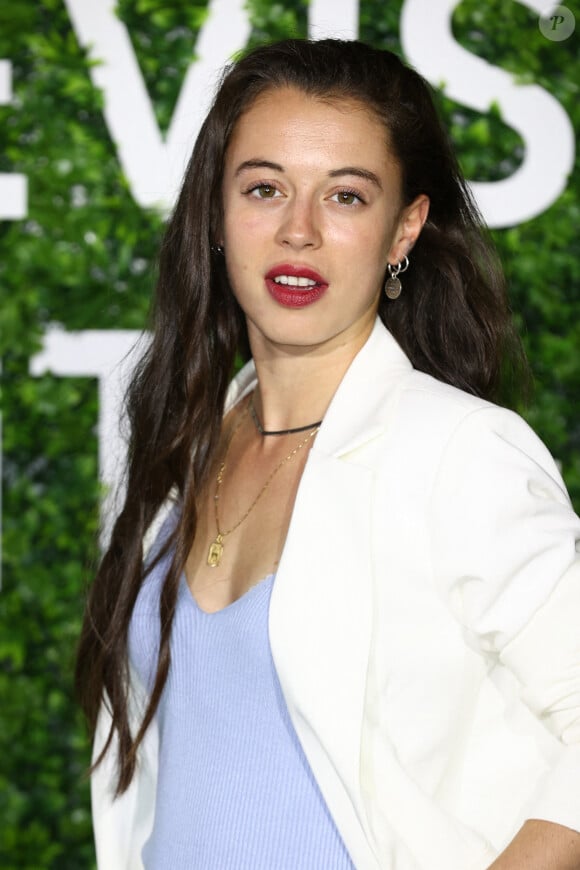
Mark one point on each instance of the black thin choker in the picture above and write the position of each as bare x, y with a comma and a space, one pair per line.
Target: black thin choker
263, 431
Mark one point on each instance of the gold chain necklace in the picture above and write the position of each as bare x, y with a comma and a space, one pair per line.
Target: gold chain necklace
216, 548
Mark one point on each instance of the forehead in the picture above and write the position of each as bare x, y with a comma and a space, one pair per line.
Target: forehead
293, 127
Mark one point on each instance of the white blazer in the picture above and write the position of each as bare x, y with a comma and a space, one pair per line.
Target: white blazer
425, 626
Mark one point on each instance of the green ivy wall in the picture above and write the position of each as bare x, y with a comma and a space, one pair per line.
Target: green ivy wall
84, 257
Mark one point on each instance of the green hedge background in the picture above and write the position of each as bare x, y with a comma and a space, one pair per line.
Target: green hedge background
85, 258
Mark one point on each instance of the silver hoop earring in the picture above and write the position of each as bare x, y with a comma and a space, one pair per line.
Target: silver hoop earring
393, 286
217, 249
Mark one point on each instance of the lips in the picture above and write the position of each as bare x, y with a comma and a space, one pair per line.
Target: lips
295, 286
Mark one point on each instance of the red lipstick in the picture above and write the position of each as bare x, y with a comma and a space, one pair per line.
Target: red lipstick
292, 294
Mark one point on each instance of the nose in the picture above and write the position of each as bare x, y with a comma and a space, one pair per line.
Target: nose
299, 227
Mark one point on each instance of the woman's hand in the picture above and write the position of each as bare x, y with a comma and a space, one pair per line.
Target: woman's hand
541, 846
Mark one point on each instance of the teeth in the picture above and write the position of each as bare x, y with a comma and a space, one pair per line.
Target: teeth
291, 281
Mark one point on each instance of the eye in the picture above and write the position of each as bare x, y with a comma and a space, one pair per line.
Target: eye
263, 191
347, 197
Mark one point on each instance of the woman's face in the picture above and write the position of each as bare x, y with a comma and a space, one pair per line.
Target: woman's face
312, 215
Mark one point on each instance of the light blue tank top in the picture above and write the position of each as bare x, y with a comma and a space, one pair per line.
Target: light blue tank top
235, 791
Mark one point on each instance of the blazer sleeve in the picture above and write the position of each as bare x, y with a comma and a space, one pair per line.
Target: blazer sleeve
506, 555
122, 825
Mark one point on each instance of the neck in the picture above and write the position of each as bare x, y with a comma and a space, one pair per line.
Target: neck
295, 388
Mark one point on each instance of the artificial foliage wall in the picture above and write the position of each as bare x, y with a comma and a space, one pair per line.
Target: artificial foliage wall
84, 257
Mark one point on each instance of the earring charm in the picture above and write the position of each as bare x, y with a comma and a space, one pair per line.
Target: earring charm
393, 286
217, 249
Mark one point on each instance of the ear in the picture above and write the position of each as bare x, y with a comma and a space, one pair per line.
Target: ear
409, 228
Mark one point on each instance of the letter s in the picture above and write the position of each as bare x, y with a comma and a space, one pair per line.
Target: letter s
536, 115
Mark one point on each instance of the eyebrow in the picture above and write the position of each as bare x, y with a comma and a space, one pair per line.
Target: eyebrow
258, 164
359, 172
335, 173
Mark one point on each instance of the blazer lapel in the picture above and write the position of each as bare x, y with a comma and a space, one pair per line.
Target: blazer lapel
321, 609
320, 629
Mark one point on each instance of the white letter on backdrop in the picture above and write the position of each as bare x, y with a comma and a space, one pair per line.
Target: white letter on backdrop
154, 167
329, 18
105, 355
13, 187
536, 115
13, 207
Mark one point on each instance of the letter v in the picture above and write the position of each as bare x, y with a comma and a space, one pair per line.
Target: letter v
153, 165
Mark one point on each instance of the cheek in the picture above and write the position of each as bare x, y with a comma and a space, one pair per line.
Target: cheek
240, 262
243, 229
371, 237
366, 251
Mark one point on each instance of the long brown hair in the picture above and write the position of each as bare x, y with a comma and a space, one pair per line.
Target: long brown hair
452, 320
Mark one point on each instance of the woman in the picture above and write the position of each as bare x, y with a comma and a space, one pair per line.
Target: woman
359, 612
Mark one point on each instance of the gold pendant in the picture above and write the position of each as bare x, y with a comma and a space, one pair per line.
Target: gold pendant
214, 555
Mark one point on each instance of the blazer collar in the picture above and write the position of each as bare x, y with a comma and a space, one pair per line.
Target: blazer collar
362, 404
